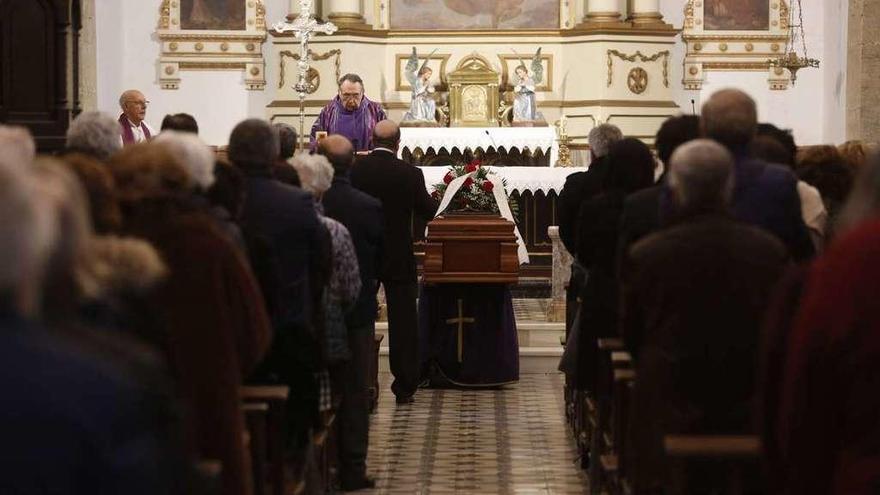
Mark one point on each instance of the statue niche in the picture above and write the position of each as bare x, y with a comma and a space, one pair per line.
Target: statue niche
473, 93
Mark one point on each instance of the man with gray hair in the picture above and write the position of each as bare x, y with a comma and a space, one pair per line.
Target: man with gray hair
764, 194
694, 297
132, 126
350, 114
95, 134
581, 186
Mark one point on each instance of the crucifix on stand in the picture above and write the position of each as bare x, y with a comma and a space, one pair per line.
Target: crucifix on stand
304, 27
460, 320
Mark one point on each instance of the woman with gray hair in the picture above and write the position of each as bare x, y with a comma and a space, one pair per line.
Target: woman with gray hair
95, 134
341, 293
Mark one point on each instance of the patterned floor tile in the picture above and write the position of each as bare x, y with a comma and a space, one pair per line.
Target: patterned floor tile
507, 441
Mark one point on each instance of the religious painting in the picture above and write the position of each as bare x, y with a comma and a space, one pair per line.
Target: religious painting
214, 35
227, 15
474, 14
735, 35
737, 15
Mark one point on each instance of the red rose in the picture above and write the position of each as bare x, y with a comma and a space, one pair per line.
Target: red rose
448, 177
468, 182
488, 186
472, 166
435, 194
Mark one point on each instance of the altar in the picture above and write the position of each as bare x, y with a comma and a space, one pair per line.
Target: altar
517, 146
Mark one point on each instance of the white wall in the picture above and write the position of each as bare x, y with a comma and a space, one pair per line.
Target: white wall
127, 54
815, 107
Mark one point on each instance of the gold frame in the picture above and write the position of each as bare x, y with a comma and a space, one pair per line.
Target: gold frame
383, 16
747, 50
545, 87
197, 49
473, 71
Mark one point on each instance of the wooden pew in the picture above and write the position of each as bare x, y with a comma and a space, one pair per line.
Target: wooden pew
611, 357
255, 414
726, 464
275, 399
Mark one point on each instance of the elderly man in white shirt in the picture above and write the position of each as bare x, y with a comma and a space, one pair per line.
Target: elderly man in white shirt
133, 128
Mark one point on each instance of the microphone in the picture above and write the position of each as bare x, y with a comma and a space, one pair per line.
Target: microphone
693, 107
493, 141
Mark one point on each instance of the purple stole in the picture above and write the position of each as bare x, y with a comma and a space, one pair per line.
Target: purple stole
127, 134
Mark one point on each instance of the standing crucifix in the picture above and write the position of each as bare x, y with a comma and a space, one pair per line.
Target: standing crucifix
304, 27
460, 320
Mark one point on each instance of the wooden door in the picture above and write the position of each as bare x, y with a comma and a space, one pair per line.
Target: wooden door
38, 67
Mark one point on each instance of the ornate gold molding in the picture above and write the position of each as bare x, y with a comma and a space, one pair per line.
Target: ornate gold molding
401, 105
638, 55
313, 56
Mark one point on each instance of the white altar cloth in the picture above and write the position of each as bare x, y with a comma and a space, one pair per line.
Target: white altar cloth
531, 138
520, 179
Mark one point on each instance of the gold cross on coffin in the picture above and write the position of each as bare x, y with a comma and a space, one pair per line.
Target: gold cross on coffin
461, 320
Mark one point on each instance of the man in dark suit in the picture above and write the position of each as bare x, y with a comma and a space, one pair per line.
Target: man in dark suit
764, 194
361, 214
401, 189
289, 251
694, 297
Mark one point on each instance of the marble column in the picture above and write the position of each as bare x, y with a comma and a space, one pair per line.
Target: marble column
602, 11
561, 274
646, 12
345, 12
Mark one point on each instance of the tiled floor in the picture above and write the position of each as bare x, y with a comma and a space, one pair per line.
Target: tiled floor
512, 440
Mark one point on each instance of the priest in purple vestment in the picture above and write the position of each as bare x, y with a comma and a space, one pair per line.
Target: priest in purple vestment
351, 114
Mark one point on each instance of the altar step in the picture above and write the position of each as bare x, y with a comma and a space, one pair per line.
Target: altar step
539, 347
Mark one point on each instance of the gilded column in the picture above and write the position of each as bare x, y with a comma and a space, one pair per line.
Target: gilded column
345, 12
602, 11
646, 12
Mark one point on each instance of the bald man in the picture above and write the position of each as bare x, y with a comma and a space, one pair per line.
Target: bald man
132, 125
764, 194
401, 189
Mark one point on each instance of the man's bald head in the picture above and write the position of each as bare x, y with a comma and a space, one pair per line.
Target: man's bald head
386, 134
731, 118
338, 150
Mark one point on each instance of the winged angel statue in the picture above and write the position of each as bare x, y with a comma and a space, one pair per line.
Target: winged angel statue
525, 108
422, 107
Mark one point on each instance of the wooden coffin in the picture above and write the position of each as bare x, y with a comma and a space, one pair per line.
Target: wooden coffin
470, 248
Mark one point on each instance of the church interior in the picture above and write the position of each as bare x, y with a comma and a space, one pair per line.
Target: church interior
282, 247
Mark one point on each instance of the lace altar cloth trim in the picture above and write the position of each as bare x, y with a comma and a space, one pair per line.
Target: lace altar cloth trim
531, 138
520, 179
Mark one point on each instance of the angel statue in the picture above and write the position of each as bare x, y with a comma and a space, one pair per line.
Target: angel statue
525, 108
422, 107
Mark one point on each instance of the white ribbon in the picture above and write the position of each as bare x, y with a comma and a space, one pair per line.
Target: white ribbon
500, 200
